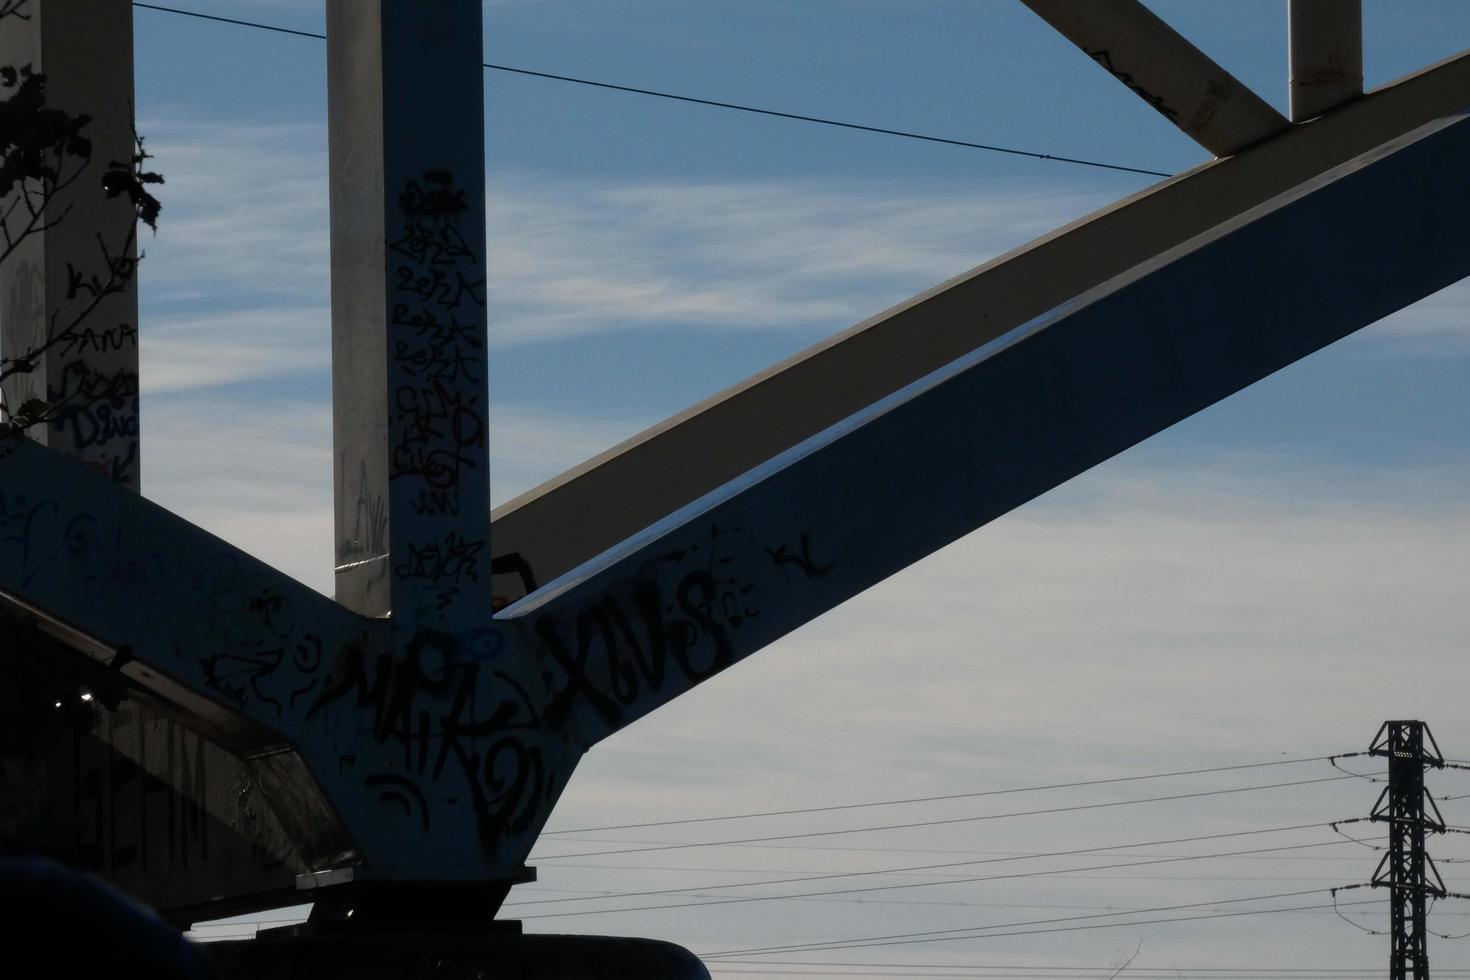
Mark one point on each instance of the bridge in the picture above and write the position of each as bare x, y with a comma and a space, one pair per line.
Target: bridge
402, 746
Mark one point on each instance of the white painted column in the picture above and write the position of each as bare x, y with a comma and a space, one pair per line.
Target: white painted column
406, 126
68, 294
1326, 55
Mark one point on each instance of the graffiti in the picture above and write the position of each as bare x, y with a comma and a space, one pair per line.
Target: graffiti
449, 713
437, 370
113, 570
30, 527
403, 791
230, 674
253, 635
95, 414
369, 537
454, 560
672, 627
85, 340
439, 427
802, 560
1104, 58
440, 200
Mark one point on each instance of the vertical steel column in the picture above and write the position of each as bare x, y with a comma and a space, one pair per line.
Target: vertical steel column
1326, 55
406, 133
68, 296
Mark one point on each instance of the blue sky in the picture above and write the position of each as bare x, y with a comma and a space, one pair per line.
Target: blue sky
1227, 592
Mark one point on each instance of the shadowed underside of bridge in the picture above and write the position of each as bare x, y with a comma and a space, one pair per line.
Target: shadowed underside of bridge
406, 740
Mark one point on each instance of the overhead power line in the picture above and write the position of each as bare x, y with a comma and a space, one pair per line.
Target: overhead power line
694, 100
1254, 972
948, 820
928, 970
931, 884
1016, 929
937, 799
911, 869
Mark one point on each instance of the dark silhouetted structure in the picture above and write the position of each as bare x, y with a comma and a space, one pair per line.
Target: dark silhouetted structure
1407, 870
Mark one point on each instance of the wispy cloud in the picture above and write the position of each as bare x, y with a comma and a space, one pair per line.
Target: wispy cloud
1438, 323
575, 257
245, 214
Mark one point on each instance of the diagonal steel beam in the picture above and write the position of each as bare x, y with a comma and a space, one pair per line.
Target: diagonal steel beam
1156, 63
214, 635
591, 507
443, 757
913, 472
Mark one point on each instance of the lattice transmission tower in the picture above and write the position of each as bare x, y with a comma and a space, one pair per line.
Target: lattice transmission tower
1407, 870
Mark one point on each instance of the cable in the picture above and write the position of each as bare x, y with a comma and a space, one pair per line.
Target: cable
1336, 829
930, 903
925, 884
1076, 973
1170, 971
692, 100
1332, 760
228, 20
827, 876
948, 820
935, 799
1355, 925
1462, 935
879, 941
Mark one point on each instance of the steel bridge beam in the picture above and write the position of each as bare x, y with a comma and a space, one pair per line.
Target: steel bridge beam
915, 471
1177, 79
442, 759
1326, 41
575, 516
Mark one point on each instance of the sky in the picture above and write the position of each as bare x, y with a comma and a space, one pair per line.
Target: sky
1264, 582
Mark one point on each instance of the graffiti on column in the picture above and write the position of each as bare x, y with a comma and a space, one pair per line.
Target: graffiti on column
437, 380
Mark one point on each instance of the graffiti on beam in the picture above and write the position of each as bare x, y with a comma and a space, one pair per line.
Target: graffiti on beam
1103, 57
440, 735
674, 624
454, 723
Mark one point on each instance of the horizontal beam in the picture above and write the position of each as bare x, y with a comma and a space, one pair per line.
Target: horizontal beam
570, 519
1176, 79
909, 475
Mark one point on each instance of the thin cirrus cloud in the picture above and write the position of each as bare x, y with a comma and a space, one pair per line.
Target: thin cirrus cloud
245, 230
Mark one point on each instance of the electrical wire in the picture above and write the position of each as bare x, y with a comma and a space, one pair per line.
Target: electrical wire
946, 821
927, 884
936, 937
1337, 829
1076, 973
1355, 925
912, 869
693, 100
1332, 760
936, 799
1462, 935
1253, 971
